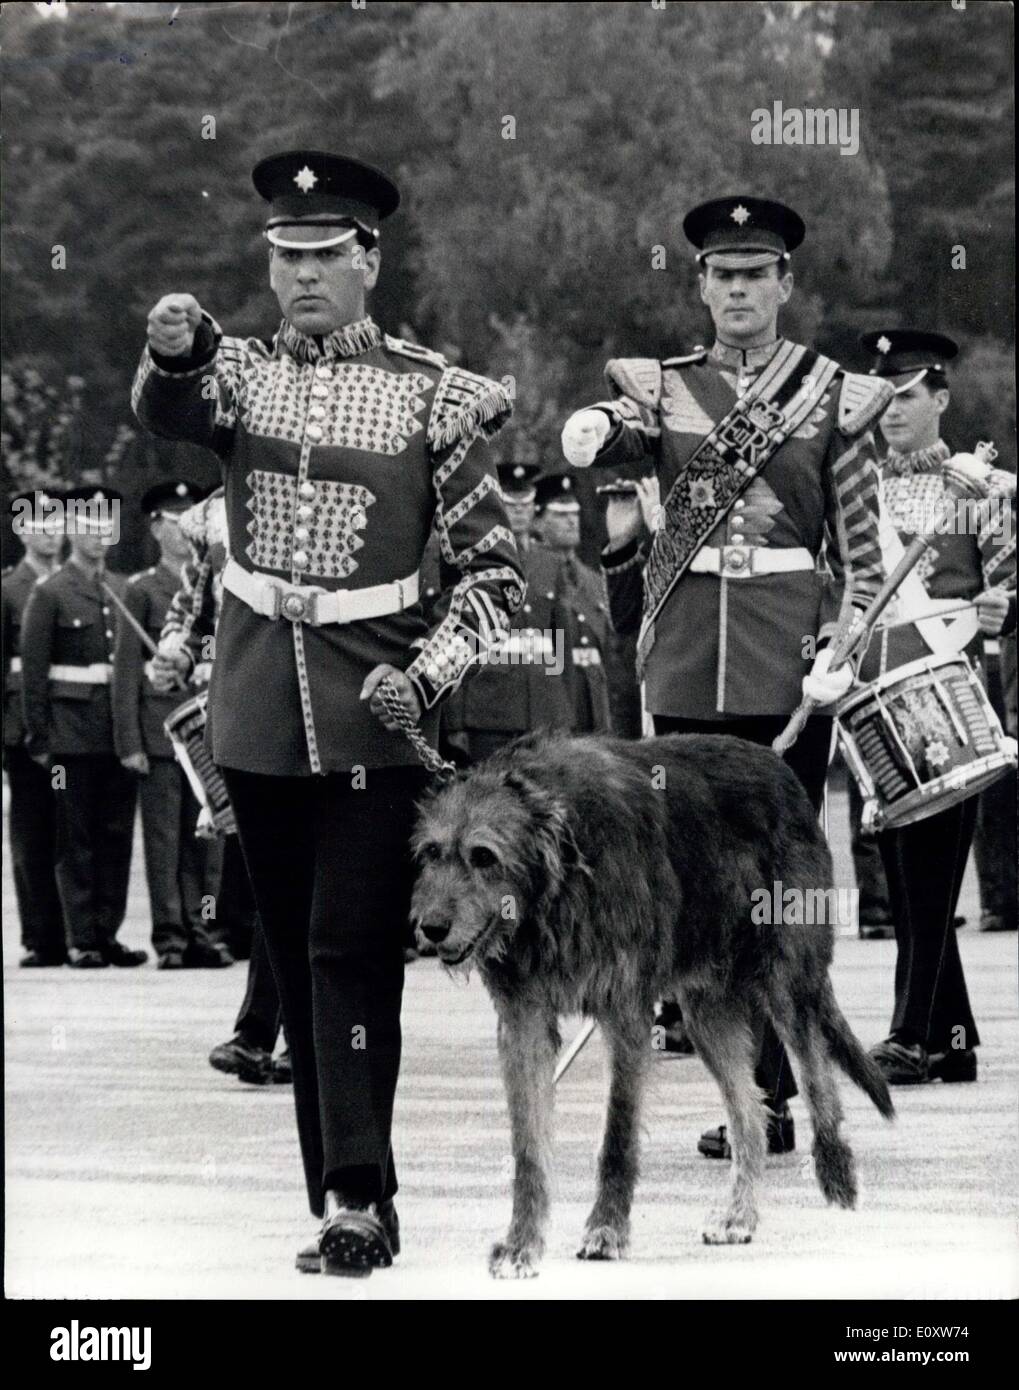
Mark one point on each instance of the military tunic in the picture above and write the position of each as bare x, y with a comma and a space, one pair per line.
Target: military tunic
33, 816
67, 653
182, 871
584, 594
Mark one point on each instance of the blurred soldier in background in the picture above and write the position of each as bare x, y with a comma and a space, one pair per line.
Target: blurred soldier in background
67, 664
558, 528
33, 813
181, 869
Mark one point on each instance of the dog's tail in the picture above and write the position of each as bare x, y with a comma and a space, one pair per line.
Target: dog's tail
847, 1053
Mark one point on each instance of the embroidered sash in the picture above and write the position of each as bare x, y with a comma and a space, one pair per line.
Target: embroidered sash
723, 465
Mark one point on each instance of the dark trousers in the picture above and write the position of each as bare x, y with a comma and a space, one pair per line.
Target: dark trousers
994, 845
259, 1018
182, 870
33, 832
331, 870
875, 906
808, 758
95, 821
924, 864
235, 906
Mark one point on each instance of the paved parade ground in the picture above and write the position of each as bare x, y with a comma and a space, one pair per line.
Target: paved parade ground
134, 1170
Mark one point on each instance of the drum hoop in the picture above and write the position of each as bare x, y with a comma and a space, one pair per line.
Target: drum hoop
900, 673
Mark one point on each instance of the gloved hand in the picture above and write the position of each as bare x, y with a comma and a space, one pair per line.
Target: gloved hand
824, 687
583, 435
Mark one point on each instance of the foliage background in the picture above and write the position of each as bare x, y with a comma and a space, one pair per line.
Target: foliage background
529, 257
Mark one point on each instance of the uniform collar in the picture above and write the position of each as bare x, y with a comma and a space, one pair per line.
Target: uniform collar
929, 460
94, 574
349, 341
742, 358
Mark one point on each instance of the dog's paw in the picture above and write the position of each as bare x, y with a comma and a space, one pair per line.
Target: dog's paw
602, 1243
720, 1230
513, 1262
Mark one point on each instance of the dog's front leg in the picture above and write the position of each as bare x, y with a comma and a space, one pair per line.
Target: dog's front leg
528, 1044
607, 1233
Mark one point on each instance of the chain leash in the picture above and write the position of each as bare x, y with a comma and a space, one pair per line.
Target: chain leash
438, 766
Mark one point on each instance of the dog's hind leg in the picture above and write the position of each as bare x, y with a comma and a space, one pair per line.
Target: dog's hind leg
607, 1232
722, 1034
799, 1027
528, 1045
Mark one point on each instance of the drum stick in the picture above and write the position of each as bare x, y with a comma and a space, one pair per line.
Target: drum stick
574, 1050
856, 630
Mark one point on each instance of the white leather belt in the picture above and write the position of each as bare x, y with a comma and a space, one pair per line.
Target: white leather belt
97, 674
745, 561
15, 666
586, 656
308, 603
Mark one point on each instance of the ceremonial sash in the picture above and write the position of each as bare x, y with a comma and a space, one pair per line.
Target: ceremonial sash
785, 394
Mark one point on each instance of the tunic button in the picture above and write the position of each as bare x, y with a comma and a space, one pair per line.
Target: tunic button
305, 513
358, 519
738, 504
527, 608
314, 432
584, 639
317, 412
307, 491
77, 622
581, 618
737, 538
323, 373
779, 437
300, 533
432, 671
319, 391
109, 633
300, 560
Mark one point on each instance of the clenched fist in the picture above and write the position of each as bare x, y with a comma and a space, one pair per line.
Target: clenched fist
172, 324
583, 435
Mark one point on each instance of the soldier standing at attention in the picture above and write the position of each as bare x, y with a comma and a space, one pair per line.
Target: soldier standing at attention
33, 812
339, 446
765, 461
558, 529
67, 664
182, 871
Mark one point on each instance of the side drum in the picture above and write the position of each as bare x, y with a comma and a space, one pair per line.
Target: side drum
185, 728
922, 738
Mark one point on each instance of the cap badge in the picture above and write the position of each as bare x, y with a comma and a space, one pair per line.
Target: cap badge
740, 215
305, 179
884, 344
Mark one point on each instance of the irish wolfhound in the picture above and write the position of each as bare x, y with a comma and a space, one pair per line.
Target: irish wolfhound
592, 876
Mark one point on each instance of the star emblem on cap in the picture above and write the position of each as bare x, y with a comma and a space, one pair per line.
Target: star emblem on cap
740, 215
306, 179
884, 344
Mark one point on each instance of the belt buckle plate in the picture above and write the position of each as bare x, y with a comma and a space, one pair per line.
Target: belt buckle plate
737, 561
298, 608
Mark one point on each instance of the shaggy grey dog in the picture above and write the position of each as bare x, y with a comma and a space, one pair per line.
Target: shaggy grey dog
592, 876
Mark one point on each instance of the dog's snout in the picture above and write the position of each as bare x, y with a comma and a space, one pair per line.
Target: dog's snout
435, 932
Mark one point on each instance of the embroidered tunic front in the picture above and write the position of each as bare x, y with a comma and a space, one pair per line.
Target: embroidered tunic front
337, 454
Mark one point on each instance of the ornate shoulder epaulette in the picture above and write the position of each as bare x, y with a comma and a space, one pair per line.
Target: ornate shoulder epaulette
861, 400
637, 377
420, 354
698, 355
463, 404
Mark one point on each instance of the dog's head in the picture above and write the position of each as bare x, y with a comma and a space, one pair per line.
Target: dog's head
494, 850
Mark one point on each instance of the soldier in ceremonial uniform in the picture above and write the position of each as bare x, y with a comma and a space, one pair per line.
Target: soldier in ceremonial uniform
933, 1033
528, 683
339, 447
33, 814
68, 637
558, 526
181, 869
766, 463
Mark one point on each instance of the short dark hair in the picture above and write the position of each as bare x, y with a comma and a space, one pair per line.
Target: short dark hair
935, 381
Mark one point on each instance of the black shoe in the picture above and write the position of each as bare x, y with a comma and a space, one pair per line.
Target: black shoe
282, 1071
902, 1063
309, 1257
171, 960
198, 956
243, 1059
116, 954
86, 960
781, 1134
955, 1064
958, 921
39, 959
876, 931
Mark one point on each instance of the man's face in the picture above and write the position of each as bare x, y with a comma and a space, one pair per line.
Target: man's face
43, 545
520, 512
319, 291
172, 543
90, 547
913, 419
744, 304
560, 527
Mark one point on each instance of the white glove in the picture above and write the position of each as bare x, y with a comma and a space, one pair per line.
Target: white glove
824, 687
583, 435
